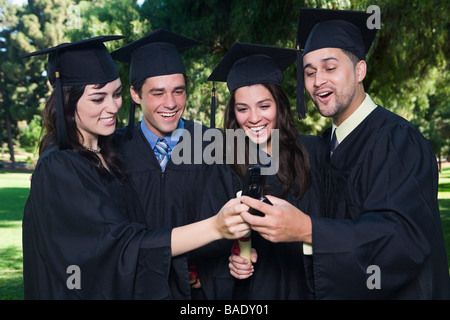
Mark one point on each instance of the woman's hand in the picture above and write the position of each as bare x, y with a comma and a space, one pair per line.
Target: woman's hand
226, 224
229, 223
240, 268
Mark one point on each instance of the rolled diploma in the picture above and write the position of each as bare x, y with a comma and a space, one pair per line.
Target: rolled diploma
245, 243
245, 246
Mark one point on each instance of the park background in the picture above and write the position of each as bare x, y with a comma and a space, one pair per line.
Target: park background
408, 73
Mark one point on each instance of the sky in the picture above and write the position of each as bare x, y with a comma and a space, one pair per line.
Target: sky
21, 2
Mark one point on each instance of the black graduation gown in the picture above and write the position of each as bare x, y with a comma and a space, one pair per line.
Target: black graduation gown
382, 224
182, 194
280, 271
74, 217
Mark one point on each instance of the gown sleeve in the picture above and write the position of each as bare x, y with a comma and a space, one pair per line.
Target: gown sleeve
394, 224
211, 260
71, 219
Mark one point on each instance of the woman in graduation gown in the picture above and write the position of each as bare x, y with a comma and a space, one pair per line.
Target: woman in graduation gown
257, 105
82, 231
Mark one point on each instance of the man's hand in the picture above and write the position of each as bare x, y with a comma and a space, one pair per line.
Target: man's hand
282, 222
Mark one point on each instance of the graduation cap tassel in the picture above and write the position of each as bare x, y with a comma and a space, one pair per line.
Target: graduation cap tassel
130, 126
301, 108
61, 131
77, 63
213, 107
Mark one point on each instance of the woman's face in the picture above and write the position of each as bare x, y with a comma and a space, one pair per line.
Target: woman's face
256, 112
97, 110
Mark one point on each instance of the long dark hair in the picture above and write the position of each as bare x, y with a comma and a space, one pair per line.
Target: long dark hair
294, 167
71, 95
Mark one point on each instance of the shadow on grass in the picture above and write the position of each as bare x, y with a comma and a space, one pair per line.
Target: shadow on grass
444, 207
444, 187
11, 279
12, 203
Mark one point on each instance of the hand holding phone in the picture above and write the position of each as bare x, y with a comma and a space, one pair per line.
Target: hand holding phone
253, 187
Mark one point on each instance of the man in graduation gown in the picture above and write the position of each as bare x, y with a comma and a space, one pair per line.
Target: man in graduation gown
380, 236
180, 188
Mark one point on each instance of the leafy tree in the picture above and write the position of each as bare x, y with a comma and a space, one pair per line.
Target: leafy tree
31, 135
24, 87
110, 17
8, 19
407, 64
408, 69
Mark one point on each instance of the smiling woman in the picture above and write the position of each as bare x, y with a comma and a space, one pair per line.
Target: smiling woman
97, 112
80, 201
258, 105
83, 231
256, 113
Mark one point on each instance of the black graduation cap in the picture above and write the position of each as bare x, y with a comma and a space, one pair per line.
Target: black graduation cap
324, 28
155, 54
248, 64
77, 63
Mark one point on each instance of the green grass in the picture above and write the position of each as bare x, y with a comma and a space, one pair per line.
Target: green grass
14, 188
444, 206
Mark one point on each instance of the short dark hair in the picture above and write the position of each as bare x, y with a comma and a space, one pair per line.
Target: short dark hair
137, 85
353, 58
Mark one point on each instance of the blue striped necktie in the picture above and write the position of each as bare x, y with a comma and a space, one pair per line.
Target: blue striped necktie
162, 153
333, 143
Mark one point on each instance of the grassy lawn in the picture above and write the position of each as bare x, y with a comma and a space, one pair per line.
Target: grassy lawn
14, 188
444, 206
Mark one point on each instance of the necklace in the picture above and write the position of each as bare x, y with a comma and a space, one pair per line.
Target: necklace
93, 150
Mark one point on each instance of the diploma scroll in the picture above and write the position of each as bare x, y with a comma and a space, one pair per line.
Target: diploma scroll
245, 247
244, 243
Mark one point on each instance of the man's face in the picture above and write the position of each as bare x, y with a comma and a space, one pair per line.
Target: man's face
332, 80
163, 99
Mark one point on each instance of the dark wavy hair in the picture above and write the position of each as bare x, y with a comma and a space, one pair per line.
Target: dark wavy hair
71, 95
294, 167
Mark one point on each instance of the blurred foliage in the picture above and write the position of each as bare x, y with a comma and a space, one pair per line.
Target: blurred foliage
31, 135
408, 68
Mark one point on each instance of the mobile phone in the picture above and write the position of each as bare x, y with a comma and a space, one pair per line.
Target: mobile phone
254, 183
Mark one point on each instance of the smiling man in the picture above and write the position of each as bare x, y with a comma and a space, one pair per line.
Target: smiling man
380, 236
163, 99
334, 82
173, 194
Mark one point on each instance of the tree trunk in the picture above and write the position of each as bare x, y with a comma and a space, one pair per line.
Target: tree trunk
10, 140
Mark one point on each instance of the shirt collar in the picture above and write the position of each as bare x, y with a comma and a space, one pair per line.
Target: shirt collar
346, 127
171, 139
